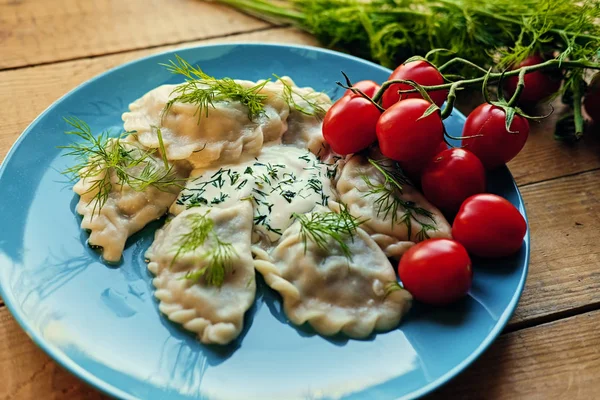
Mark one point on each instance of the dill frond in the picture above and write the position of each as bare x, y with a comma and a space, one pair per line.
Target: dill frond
313, 106
203, 90
219, 255
389, 203
103, 159
319, 227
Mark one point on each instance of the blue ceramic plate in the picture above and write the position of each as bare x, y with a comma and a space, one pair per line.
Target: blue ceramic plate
102, 323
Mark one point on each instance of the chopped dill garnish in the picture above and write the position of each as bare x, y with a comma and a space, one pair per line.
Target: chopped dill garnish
389, 203
102, 156
320, 226
204, 90
294, 99
219, 255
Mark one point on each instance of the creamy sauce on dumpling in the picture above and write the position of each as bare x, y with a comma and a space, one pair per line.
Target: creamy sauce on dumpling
279, 182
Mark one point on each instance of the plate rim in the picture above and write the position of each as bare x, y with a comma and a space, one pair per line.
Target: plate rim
108, 388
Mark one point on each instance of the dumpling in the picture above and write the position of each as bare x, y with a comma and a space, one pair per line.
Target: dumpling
222, 135
304, 122
396, 219
330, 291
127, 209
281, 181
213, 303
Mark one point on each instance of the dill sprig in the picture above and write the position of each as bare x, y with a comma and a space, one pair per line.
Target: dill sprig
102, 156
389, 203
203, 90
219, 255
319, 227
312, 107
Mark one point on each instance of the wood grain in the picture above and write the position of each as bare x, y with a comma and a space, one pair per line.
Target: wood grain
44, 84
564, 217
545, 158
28, 373
560, 360
43, 31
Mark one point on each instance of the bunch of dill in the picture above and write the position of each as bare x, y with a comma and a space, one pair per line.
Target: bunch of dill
489, 33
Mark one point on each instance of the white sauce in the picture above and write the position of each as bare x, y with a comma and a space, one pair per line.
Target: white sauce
281, 181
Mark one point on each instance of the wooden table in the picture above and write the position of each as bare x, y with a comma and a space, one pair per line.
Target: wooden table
551, 347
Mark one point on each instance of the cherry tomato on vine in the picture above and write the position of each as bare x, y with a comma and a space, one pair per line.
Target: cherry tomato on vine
349, 125
591, 101
539, 85
416, 167
419, 71
436, 271
452, 176
493, 144
489, 226
407, 137
367, 87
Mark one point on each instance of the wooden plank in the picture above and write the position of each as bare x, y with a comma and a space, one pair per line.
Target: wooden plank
560, 360
28, 373
47, 83
41, 31
545, 158
564, 217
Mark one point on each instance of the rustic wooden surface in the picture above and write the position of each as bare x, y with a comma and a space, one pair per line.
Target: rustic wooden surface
551, 348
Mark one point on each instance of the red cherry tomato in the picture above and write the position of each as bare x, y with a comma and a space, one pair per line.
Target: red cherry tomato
436, 271
416, 167
367, 87
539, 85
494, 145
452, 176
406, 137
489, 226
591, 101
349, 125
419, 71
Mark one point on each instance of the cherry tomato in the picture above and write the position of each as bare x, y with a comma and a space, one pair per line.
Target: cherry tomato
436, 271
368, 87
416, 167
591, 101
406, 137
421, 72
452, 176
539, 85
494, 145
349, 125
489, 226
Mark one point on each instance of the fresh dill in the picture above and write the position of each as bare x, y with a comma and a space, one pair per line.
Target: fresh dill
307, 104
203, 90
219, 256
102, 159
320, 227
389, 203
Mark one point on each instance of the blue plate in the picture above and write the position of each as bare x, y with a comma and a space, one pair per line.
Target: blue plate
102, 323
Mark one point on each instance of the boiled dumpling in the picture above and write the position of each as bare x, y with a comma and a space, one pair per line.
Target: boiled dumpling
364, 189
304, 121
127, 209
330, 291
222, 135
215, 312
281, 181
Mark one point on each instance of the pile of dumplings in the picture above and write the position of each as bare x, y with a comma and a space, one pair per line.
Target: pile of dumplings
250, 176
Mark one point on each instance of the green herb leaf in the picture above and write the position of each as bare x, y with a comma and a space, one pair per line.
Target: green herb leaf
389, 204
219, 256
320, 227
102, 157
204, 90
